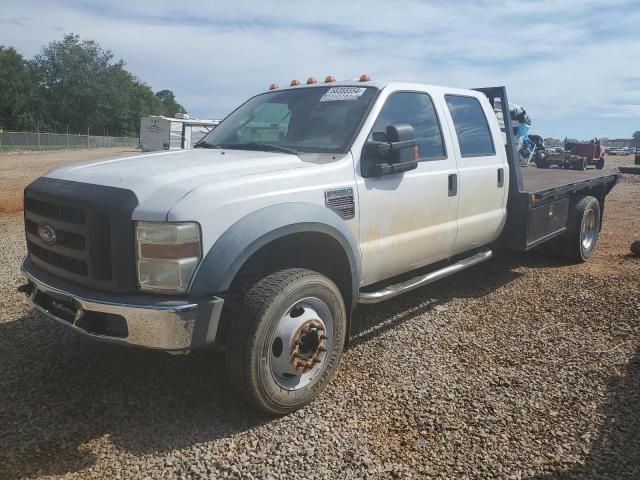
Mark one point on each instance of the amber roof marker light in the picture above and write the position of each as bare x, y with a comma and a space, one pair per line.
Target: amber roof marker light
311, 80
294, 83
273, 86
364, 78
329, 79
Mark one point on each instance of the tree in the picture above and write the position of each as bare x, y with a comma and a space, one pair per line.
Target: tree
69, 70
168, 99
19, 106
636, 139
84, 87
122, 100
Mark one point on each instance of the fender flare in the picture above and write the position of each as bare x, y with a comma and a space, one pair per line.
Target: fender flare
245, 237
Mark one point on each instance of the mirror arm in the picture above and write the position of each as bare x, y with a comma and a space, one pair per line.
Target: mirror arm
391, 168
401, 145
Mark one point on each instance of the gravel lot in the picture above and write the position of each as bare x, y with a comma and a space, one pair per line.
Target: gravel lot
523, 367
18, 169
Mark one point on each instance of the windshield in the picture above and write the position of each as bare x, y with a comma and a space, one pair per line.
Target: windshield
319, 119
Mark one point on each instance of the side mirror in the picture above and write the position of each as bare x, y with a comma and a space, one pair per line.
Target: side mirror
398, 154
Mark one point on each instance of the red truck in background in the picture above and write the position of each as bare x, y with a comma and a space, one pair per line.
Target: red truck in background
577, 156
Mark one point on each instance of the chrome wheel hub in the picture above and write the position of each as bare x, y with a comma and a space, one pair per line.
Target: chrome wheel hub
589, 230
300, 343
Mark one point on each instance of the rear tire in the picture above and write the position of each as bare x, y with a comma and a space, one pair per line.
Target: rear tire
600, 163
583, 229
277, 359
541, 162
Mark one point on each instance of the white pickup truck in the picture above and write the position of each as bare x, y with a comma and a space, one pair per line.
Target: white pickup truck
302, 203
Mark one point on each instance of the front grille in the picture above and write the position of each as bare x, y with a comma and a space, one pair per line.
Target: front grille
67, 253
92, 232
64, 239
56, 212
69, 264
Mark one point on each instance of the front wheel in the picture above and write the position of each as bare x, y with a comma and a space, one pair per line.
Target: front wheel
286, 341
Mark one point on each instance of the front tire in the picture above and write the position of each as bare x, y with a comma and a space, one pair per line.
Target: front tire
286, 341
583, 228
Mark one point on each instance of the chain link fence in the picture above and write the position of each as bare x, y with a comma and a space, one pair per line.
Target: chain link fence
29, 141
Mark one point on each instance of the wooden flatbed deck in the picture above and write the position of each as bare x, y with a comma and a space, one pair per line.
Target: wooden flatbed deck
539, 180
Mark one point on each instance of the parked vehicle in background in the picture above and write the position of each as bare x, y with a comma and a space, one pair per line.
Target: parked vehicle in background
355, 192
637, 156
576, 156
165, 133
614, 151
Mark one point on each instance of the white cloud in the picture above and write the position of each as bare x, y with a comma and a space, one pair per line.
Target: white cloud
622, 111
571, 60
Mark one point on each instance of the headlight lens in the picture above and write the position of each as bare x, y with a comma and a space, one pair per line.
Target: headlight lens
168, 254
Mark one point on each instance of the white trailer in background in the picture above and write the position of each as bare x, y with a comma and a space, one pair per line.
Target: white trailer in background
166, 133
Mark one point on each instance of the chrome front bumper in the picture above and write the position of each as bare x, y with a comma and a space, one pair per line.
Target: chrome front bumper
136, 320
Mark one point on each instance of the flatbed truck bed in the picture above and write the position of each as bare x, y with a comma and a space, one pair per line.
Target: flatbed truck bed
540, 199
539, 180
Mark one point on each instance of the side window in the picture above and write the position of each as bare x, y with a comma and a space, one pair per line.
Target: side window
417, 110
471, 125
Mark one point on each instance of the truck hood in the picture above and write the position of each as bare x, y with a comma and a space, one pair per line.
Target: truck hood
160, 180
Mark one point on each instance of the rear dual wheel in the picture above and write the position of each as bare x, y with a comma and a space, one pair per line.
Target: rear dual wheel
583, 229
286, 340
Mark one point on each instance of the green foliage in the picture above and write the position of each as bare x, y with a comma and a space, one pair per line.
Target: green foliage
168, 99
636, 139
75, 84
18, 92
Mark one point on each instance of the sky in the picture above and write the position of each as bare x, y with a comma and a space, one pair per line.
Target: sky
573, 64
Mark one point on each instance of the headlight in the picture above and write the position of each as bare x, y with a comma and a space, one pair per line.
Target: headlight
168, 254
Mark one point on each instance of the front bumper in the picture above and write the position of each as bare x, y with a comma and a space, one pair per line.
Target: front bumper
147, 321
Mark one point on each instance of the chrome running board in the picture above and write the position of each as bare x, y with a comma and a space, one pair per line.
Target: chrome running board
422, 280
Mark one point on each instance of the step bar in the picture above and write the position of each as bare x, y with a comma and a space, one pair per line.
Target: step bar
422, 280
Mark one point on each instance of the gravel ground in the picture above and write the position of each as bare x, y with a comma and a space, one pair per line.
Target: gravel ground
524, 367
18, 169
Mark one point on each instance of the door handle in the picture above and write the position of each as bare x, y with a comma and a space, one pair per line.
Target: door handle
500, 177
453, 185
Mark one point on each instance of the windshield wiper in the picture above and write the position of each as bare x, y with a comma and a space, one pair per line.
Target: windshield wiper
268, 147
205, 145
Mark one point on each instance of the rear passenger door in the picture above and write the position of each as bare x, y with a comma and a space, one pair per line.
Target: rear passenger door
482, 170
408, 220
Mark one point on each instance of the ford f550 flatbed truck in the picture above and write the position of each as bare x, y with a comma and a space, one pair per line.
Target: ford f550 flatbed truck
302, 203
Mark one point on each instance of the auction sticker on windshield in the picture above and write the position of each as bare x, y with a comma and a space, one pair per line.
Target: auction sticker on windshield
335, 94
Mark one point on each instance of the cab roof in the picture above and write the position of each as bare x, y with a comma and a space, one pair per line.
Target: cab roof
382, 84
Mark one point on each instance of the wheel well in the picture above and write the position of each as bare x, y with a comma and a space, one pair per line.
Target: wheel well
598, 193
313, 250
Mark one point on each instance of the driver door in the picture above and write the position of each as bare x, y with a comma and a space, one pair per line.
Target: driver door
409, 220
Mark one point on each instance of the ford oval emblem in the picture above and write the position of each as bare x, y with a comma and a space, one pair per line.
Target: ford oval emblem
47, 233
